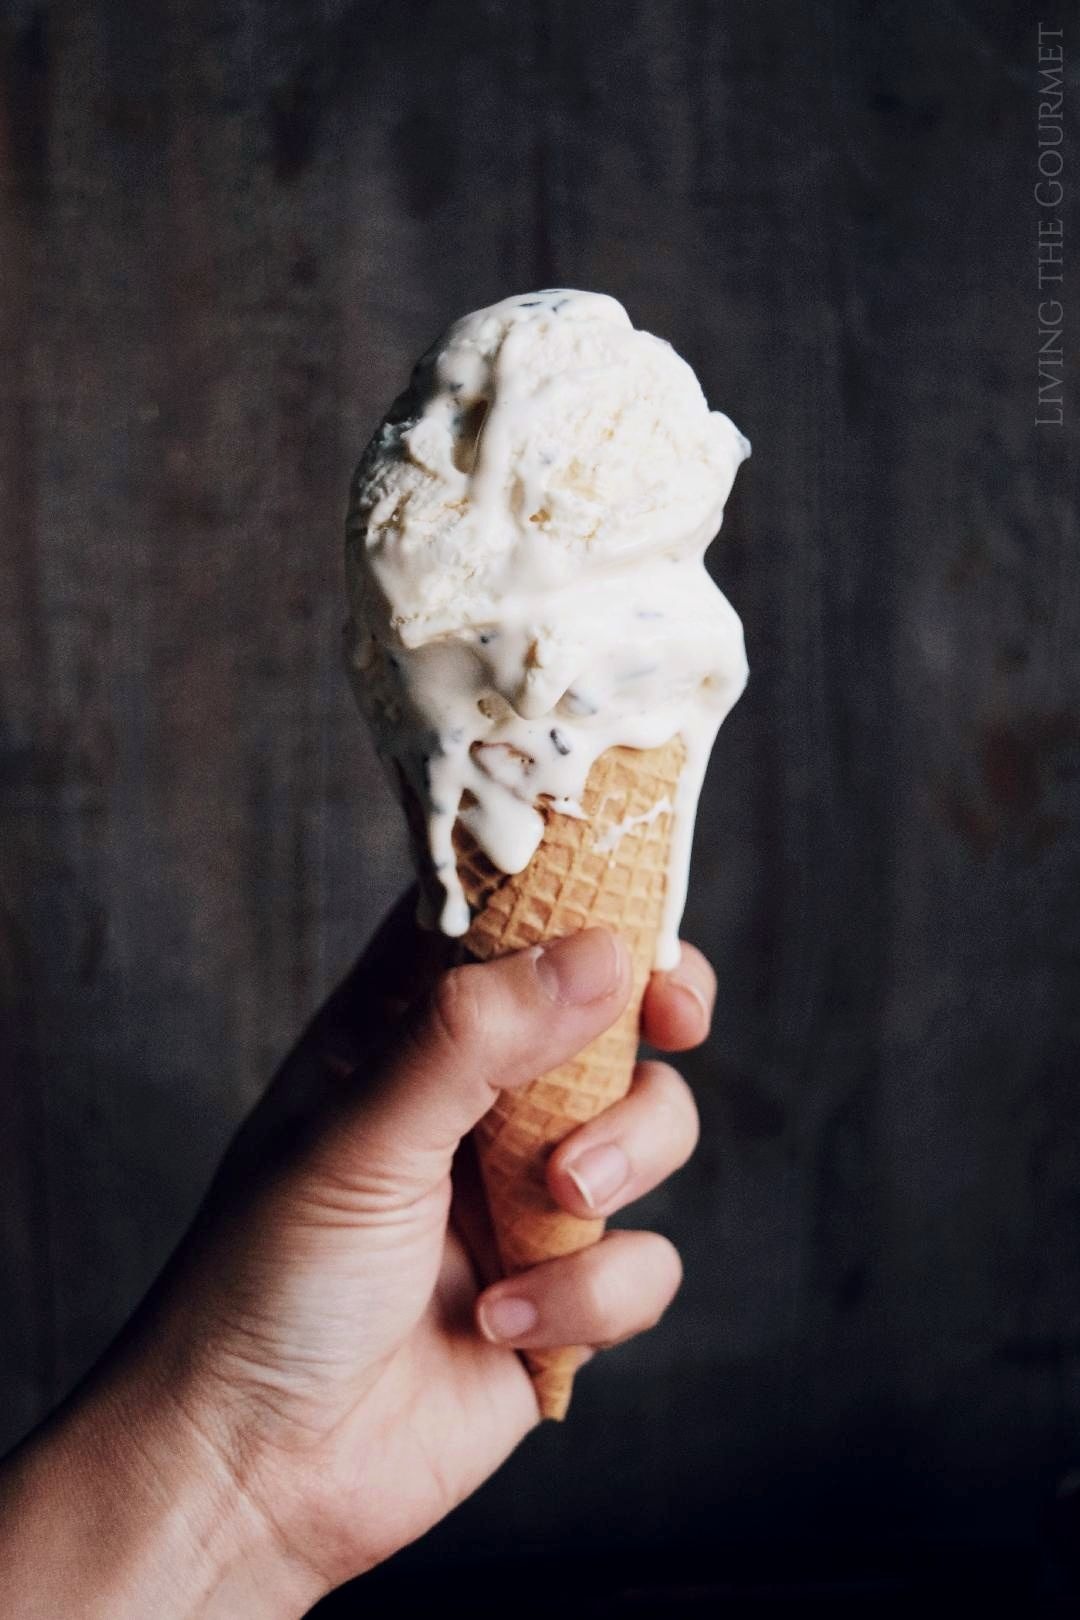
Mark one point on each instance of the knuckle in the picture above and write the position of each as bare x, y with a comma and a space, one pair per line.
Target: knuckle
629, 1281
601, 1296
673, 1109
654, 1076
620, 1314
657, 1312
689, 1119
700, 966
673, 1261
666, 1271
457, 1008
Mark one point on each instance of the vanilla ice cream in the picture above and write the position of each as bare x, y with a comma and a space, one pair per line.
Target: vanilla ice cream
525, 560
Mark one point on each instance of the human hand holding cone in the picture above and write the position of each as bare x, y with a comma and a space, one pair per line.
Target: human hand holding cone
545, 663
610, 869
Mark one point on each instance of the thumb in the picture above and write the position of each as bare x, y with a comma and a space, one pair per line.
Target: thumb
485, 1027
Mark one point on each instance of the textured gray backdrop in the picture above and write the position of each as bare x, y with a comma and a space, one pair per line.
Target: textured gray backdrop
226, 228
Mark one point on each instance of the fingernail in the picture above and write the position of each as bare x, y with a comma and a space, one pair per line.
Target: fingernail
580, 968
696, 997
599, 1173
505, 1318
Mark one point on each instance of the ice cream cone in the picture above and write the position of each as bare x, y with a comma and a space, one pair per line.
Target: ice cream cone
529, 603
610, 868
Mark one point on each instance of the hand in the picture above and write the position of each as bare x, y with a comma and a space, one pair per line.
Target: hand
323, 1353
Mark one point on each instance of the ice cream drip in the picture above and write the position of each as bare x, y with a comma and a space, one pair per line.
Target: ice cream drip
525, 558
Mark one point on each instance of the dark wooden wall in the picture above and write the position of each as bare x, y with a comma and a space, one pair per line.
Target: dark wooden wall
226, 228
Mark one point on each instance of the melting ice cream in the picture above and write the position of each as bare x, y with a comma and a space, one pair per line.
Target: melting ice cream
525, 559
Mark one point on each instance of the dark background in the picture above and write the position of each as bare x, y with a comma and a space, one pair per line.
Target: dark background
226, 229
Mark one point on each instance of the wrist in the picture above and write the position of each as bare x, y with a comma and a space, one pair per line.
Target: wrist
150, 1512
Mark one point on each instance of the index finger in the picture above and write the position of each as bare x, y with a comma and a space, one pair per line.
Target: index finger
677, 1010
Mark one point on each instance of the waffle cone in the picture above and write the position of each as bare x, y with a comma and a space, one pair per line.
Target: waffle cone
609, 869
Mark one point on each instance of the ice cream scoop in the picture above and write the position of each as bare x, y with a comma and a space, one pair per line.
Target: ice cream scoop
525, 560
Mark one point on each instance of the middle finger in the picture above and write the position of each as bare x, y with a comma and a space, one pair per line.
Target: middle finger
628, 1149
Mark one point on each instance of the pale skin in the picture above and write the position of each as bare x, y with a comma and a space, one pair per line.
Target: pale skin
328, 1365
